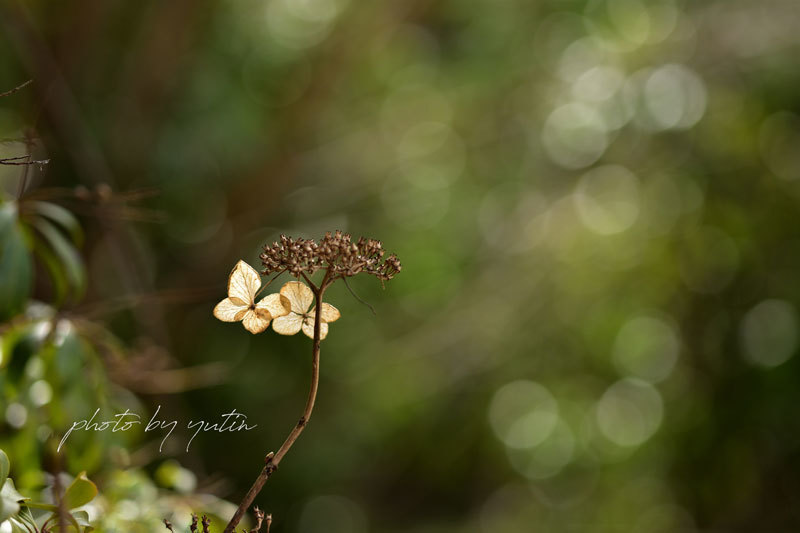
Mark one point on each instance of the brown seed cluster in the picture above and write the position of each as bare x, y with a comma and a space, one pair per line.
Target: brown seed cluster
335, 252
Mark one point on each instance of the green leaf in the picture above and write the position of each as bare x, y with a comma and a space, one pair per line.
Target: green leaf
82, 517
61, 216
5, 467
66, 253
16, 269
9, 500
68, 362
42, 506
10, 491
8, 508
80, 492
57, 275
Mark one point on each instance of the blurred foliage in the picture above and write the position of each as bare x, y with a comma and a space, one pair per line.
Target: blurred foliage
17, 512
595, 203
53, 372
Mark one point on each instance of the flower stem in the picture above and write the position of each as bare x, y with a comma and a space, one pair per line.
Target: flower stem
273, 460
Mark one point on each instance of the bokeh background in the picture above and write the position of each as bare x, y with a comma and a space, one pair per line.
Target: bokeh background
596, 207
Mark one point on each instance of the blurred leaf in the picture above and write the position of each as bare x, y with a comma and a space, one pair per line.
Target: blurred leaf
43, 506
61, 217
80, 492
70, 358
10, 491
20, 350
8, 508
5, 467
15, 263
9, 497
57, 275
67, 254
82, 517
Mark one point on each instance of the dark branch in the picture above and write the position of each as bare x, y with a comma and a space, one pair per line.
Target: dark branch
23, 160
15, 89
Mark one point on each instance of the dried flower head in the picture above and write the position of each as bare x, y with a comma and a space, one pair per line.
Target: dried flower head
336, 253
290, 311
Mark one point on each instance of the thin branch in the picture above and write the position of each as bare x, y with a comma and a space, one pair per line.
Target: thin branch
168, 525
15, 89
273, 460
269, 283
61, 509
23, 160
311, 283
357, 297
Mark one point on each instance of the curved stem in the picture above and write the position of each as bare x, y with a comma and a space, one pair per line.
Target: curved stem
273, 460
15, 89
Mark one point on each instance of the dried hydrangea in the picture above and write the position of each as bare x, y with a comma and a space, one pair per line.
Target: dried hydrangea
291, 311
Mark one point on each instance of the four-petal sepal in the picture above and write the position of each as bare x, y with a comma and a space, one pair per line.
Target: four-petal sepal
299, 318
244, 283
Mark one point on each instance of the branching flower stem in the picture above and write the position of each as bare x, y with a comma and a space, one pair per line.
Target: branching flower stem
273, 460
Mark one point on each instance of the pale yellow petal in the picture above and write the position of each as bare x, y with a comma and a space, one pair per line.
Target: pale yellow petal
308, 328
228, 311
329, 313
288, 324
275, 304
255, 322
243, 283
299, 295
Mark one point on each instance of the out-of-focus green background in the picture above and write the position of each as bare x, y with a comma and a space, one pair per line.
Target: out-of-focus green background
596, 205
